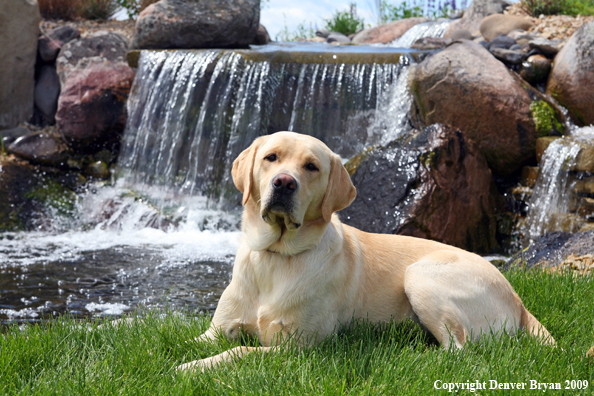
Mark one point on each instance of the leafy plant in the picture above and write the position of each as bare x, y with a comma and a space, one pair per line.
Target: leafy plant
345, 22
302, 31
406, 9
97, 9
556, 7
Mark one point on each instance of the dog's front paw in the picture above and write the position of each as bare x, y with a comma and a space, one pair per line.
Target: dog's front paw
196, 365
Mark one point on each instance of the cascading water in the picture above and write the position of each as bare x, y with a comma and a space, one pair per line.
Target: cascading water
192, 112
427, 29
158, 236
554, 199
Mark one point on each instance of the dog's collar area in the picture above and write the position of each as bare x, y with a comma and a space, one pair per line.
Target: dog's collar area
272, 251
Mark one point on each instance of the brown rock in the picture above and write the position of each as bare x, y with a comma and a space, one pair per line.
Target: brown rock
19, 28
474, 15
571, 81
262, 36
542, 144
92, 105
535, 69
584, 161
466, 87
435, 185
40, 148
496, 24
585, 186
387, 33
529, 176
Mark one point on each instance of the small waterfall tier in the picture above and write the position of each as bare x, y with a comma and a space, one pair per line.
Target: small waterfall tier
563, 197
427, 29
191, 112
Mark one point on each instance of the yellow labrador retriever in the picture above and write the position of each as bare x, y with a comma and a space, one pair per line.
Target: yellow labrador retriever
299, 270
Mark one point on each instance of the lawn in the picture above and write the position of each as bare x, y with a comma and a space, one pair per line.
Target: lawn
73, 357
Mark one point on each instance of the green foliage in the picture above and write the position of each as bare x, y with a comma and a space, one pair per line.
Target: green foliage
67, 357
345, 22
134, 7
97, 9
302, 31
406, 9
558, 7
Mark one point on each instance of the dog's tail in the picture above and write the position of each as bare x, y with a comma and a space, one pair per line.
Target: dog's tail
535, 329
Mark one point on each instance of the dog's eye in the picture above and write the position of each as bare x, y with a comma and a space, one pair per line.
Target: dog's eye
311, 167
271, 158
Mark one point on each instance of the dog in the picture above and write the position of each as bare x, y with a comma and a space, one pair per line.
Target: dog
300, 272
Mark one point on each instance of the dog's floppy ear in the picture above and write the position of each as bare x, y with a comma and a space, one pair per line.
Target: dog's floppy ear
340, 192
243, 167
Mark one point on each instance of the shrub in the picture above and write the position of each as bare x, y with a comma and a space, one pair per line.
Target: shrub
406, 9
135, 7
301, 32
97, 9
345, 22
555, 7
58, 9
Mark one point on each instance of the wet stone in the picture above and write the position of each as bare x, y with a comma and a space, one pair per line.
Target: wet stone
541, 145
508, 56
529, 175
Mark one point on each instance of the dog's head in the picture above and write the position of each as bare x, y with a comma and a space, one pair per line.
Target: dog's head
292, 179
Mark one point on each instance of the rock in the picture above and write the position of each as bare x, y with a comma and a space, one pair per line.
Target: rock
31, 199
466, 87
387, 33
95, 82
501, 41
50, 43
430, 43
19, 28
515, 47
10, 135
535, 69
262, 36
529, 176
47, 91
197, 24
322, 33
571, 81
586, 207
520, 34
497, 24
98, 170
40, 148
545, 249
92, 106
461, 34
103, 45
547, 47
584, 161
541, 145
335, 37
434, 185
474, 14
509, 56
579, 244
585, 186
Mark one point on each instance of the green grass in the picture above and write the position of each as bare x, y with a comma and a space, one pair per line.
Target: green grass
67, 357
559, 7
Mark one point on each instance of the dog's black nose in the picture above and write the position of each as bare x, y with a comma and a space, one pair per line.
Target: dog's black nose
284, 183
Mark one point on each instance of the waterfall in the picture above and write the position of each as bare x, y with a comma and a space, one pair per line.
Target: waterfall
192, 112
427, 29
554, 200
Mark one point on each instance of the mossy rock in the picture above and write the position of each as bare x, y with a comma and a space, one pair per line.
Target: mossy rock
545, 119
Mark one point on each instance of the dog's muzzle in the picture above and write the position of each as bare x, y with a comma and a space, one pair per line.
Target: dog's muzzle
281, 202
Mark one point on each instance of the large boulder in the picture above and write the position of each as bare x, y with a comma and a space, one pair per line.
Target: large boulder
197, 24
466, 87
387, 33
51, 42
474, 15
571, 81
19, 28
497, 24
95, 82
47, 91
435, 185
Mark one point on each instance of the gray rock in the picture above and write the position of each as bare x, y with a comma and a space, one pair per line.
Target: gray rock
546, 47
515, 47
501, 41
461, 34
47, 91
474, 14
414, 186
430, 43
50, 43
19, 28
335, 37
197, 24
10, 135
40, 148
322, 33
509, 56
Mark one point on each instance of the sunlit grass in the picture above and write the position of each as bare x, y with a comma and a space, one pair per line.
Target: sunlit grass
68, 357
